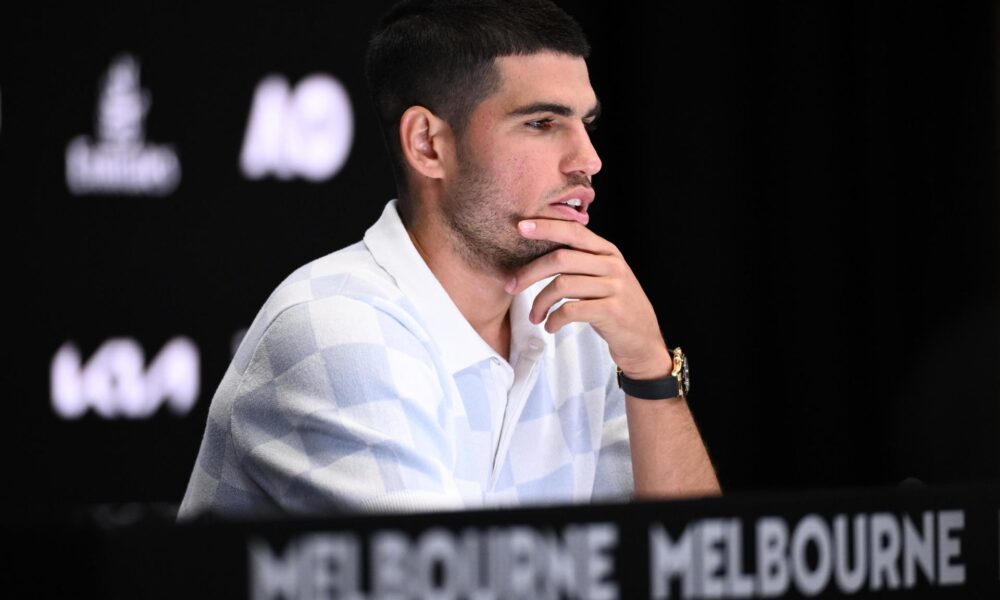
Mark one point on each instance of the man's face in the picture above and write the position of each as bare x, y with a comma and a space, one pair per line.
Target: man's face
526, 153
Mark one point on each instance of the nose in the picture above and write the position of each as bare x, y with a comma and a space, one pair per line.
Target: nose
581, 155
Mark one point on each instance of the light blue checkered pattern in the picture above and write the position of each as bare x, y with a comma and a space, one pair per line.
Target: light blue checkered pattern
360, 387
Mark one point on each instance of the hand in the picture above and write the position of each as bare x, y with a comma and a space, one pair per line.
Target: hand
607, 295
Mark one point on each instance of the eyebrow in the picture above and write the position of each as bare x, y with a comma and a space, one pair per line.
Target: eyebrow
552, 107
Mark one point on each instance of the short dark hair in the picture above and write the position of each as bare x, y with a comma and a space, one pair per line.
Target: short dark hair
441, 54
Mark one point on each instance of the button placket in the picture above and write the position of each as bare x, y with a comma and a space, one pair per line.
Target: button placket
524, 376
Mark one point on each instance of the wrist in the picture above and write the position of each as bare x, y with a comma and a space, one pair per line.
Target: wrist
650, 383
657, 367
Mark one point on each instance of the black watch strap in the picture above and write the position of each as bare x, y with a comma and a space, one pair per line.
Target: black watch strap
650, 389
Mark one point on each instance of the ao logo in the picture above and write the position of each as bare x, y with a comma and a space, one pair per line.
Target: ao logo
303, 132
115, 383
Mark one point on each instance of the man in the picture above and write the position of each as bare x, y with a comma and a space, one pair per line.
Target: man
464, 354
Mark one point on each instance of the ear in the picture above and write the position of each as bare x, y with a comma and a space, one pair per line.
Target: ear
426, 142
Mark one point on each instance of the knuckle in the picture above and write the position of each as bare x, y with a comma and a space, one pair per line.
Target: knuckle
560, 258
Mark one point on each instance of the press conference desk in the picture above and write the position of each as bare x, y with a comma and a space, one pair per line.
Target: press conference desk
927, 542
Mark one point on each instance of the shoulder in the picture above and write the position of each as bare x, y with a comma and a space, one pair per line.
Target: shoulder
343, 298
350, 271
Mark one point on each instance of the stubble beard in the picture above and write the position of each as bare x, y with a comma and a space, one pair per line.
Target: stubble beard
484, 229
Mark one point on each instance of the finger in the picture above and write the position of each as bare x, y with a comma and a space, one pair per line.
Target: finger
574, 311
561, 261
579, 287
570, 233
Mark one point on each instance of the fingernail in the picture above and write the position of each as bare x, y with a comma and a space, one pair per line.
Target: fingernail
526, 226
511, 284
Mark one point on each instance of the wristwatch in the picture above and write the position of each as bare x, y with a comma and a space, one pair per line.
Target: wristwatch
675, 385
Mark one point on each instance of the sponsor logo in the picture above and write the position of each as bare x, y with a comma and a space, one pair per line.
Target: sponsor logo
116, 383
119, 160
576, 561
863, 552
302, 132
770, 556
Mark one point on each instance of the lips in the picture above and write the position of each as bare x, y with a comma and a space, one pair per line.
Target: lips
572, 206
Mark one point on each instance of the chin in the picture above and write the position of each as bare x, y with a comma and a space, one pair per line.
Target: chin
524, 253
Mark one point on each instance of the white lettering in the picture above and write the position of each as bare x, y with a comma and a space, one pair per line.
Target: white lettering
602, 539
850, 579
811, 529
501, 562
885, 551
739, 584
335, 566
709, 572
670, 560
881, 550
949, 547
272, 576
772, 570
389, 552
437, 553
561, 569
313, 567
522, 568
918, 548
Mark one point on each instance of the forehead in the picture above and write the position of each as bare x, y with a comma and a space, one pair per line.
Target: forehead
543, 77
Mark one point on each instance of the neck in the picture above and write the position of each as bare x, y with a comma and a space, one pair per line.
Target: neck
477, 290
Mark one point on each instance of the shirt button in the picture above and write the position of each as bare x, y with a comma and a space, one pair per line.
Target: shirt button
495, 361
535, 348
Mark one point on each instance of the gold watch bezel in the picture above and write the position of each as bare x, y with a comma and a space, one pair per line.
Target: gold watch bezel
681, 372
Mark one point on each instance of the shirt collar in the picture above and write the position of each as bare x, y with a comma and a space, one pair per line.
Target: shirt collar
460, 345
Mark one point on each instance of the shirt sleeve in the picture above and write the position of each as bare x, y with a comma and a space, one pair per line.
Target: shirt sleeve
613, 478
341, 408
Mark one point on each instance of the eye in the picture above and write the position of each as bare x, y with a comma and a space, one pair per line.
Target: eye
541, 124
590, 125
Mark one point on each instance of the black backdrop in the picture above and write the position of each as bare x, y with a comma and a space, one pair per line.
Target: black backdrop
808, 192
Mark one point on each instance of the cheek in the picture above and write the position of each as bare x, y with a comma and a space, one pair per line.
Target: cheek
519, 173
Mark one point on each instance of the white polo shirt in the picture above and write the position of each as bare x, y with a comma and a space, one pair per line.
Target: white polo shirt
361, 387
